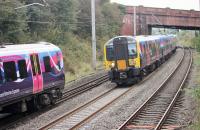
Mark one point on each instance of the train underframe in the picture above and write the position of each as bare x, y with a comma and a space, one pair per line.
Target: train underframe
33, 102
126, 77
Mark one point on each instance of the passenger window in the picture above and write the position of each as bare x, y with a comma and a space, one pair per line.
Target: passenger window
22, 69
10, 71
1, 77
47, 64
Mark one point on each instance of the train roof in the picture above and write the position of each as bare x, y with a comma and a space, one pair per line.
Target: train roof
111, 43
27, 48
144, 38
150, 37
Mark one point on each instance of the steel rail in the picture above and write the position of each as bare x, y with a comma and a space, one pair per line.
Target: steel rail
66, 96
137, 112
91, 81
64, 116
167, 112
83, 88
59, 119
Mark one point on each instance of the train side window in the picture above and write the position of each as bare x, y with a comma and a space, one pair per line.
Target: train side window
153, 48
141, 48
144, 48
47, 64
10, 71
1, 77
22, 69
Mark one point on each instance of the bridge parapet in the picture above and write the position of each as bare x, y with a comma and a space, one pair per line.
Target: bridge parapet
148, 17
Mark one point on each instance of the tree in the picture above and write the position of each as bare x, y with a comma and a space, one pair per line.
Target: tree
13, 24
84, 19
64, 14
112, 19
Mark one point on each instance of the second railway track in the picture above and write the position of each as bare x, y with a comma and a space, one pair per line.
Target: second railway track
80, 115
153, 113
67, 94
83, 87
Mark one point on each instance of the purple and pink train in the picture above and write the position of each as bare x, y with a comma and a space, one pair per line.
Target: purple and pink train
31, 76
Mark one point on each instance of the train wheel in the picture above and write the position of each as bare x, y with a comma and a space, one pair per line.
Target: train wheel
119, 84
144, 72
32, 105
53, 101
37, 104
138, 79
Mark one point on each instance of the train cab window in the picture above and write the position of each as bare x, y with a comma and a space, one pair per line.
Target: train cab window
132, 51
22, 69
10, 71
47, 64
109, 53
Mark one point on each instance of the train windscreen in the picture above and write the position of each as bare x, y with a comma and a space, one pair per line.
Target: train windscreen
110, 53
132, 50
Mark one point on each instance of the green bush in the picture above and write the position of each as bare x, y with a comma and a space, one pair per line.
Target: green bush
196, 92
196, 43
77, 56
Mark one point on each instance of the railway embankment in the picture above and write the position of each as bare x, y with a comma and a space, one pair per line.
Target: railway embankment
193, 92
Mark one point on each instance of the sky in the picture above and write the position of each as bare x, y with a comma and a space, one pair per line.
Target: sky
173, 4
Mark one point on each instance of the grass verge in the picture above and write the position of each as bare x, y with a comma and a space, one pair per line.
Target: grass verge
196, 92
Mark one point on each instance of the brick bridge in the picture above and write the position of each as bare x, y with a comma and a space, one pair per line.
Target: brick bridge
147, 17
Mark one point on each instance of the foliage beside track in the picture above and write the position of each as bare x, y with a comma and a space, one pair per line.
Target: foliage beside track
66, 23
190, 39
185, 38
196, 43
196, 91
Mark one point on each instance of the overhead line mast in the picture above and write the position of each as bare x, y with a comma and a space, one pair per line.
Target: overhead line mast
134, 21
93, 34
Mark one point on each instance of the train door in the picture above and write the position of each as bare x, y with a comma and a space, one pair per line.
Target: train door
158, 49
121, 53
144, 55
147, 53
36, 73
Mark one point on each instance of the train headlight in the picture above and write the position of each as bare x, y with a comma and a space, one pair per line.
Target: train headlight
113, 65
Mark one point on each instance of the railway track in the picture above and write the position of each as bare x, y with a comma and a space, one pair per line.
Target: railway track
99, 104
67, 94
82, 114
83, 88
153, 113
